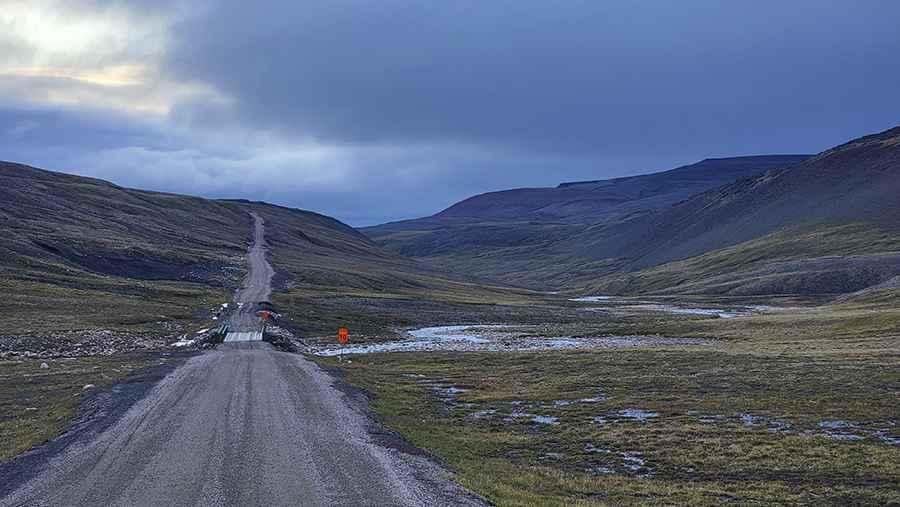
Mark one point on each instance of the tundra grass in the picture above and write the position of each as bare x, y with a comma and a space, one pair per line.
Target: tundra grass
792, 408
36, 308
37, 403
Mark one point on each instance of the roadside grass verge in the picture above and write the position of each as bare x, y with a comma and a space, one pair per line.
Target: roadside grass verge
38, 308
37, 403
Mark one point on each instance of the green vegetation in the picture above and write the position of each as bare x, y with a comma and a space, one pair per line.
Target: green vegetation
822, 260
30, 308
756, 418
37, 403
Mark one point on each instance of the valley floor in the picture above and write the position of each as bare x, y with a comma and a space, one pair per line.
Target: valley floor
791, 406
786, 405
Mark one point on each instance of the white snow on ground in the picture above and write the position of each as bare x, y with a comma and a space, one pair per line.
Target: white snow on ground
485, 339
591, 299
203, 331
183, 342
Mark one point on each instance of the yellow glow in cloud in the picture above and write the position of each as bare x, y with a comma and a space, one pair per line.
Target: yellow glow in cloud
117, 75
59, 31
107, 57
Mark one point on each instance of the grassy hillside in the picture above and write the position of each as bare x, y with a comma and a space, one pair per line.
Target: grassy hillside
857, 182
512, 236
815, 261
83, 257
825, 225
828, 225
90, 267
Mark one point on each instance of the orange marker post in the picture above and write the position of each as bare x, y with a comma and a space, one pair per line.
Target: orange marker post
343, 337
264, 315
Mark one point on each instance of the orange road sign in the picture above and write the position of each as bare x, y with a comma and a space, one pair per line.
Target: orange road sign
264, 314
343, 335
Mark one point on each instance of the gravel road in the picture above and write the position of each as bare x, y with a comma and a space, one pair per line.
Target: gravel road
257, 285
243, 424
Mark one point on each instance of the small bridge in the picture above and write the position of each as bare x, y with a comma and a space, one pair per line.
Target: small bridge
244, 336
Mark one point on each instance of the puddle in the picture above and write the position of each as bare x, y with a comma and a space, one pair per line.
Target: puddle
835, 429
590, 448
619, 462
888, 439
633, 461
640, 416
637, 415
836, 424
518, 414
448, 392
477, 338
846, 437
544, 419
751, 420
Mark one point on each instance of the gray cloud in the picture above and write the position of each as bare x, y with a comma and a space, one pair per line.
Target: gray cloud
586, 76
372, 111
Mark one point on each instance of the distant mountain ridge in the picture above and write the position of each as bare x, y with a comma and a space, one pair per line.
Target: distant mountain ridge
584, 201
824, 224
510, 235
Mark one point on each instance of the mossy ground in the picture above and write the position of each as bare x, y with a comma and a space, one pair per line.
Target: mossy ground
747, 421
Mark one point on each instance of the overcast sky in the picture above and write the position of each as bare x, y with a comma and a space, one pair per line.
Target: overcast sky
372, 111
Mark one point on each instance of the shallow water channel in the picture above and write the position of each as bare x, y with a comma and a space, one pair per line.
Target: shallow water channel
480, 338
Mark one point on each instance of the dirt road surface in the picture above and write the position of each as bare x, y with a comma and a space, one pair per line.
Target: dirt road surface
244, 425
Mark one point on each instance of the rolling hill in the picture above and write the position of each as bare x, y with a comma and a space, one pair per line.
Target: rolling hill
84, 260
827, 224
512, 235
593, 201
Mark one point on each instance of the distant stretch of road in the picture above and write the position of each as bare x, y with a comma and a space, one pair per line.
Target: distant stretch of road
241, 425
243, 324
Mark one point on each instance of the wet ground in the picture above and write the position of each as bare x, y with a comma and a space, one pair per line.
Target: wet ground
499, 338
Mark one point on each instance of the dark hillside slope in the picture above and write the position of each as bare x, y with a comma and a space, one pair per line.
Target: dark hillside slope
830, 224
319, 253
855, 182
512, 236
588, 201
57, 219
83, 258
